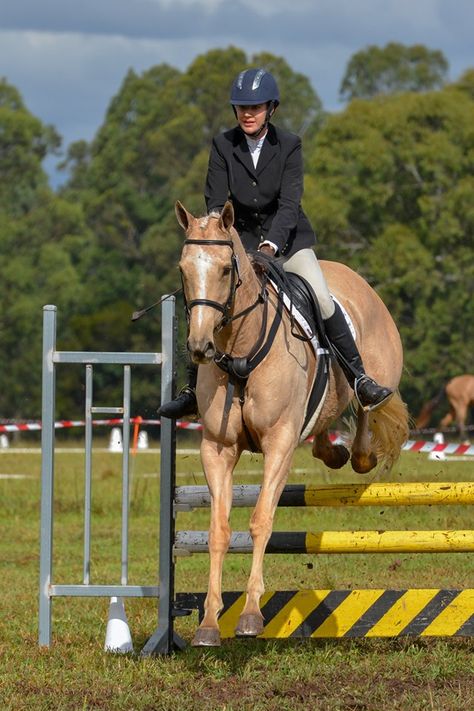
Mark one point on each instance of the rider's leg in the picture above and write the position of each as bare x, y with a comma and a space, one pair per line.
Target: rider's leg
185, 403
369, 394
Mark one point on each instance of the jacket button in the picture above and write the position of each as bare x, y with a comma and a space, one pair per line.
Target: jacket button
253, 183
255, 214
255, 200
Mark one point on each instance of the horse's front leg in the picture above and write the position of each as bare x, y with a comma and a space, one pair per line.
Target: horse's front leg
276, 467
218, 463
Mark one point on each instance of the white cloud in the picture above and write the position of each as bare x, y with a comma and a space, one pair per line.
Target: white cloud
69, 79
68, 59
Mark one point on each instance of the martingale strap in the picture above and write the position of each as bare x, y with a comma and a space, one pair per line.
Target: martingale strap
239, 368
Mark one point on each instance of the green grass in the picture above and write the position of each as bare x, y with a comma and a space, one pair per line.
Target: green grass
75, 673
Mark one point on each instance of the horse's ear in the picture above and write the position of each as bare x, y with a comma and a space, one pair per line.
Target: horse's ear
226, 219
183, 216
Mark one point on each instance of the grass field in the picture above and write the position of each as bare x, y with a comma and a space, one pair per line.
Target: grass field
75, 673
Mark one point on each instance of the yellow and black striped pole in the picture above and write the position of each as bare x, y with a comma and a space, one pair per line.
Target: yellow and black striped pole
377, 494
449, 541
351, 613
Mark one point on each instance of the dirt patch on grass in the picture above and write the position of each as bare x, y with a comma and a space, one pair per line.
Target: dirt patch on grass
353, 692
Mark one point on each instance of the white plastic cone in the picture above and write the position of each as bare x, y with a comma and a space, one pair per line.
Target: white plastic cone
118, 637
142, 440
438, 437
115, 444
437, 456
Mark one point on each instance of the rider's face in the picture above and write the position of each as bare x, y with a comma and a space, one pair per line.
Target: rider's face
251, 118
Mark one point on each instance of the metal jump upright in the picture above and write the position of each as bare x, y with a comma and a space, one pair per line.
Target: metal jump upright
164, 640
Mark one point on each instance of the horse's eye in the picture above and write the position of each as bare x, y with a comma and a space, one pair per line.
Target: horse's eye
226, 270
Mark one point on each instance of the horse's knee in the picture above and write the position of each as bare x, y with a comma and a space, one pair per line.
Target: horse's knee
260, 526
219, 536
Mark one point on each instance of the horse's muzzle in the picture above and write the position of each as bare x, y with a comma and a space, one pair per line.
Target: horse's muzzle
201, 353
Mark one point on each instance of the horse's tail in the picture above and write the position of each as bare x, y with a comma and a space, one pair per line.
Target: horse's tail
390, 430
425, 413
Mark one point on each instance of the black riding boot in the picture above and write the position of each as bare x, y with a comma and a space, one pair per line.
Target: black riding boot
369, 394
185, 403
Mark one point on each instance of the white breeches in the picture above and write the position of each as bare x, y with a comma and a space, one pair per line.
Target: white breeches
305, 263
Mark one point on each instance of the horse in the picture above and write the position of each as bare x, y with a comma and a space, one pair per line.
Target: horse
231, 318
459, 392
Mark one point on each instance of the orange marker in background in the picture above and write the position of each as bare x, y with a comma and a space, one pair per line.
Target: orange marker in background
136, 428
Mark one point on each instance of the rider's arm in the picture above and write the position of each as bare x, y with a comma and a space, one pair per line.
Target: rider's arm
216, 190
289, 198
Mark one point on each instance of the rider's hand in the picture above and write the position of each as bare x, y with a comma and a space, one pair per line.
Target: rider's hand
261, 267
267, 249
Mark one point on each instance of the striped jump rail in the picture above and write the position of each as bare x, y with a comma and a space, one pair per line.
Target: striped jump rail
332, 614
349, 613
189, 542
187, 498
378, 494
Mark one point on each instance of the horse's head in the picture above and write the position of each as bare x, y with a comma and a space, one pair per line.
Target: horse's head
209, 271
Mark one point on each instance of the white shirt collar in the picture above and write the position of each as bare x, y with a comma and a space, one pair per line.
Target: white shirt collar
255, 147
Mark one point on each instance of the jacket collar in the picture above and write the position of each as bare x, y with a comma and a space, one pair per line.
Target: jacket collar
268, 152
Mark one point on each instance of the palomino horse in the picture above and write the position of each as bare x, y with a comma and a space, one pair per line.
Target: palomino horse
230, 315
460, 394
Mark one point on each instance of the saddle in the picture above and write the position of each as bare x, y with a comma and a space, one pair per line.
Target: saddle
300, 297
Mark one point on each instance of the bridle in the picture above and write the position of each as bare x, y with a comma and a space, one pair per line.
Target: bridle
239, 368
235, 282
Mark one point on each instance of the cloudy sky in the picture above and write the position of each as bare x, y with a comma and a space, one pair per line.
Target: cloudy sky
69, 57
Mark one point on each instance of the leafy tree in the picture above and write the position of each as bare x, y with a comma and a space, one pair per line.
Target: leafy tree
393, 69
301, 108
44, 249
465, 83
390, 189
24, 143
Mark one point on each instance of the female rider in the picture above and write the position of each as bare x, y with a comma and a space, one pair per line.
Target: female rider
259, 167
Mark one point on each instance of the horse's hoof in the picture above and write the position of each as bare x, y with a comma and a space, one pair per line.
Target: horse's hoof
363, 463
206, 637
249, 626
335, 457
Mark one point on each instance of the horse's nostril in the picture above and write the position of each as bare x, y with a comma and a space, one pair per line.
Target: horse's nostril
202, 353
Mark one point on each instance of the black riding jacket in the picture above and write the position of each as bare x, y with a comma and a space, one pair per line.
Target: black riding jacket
266, 199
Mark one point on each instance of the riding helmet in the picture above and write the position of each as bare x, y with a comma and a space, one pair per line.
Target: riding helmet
254, 86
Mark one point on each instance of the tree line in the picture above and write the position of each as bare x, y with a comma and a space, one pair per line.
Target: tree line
389, 188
